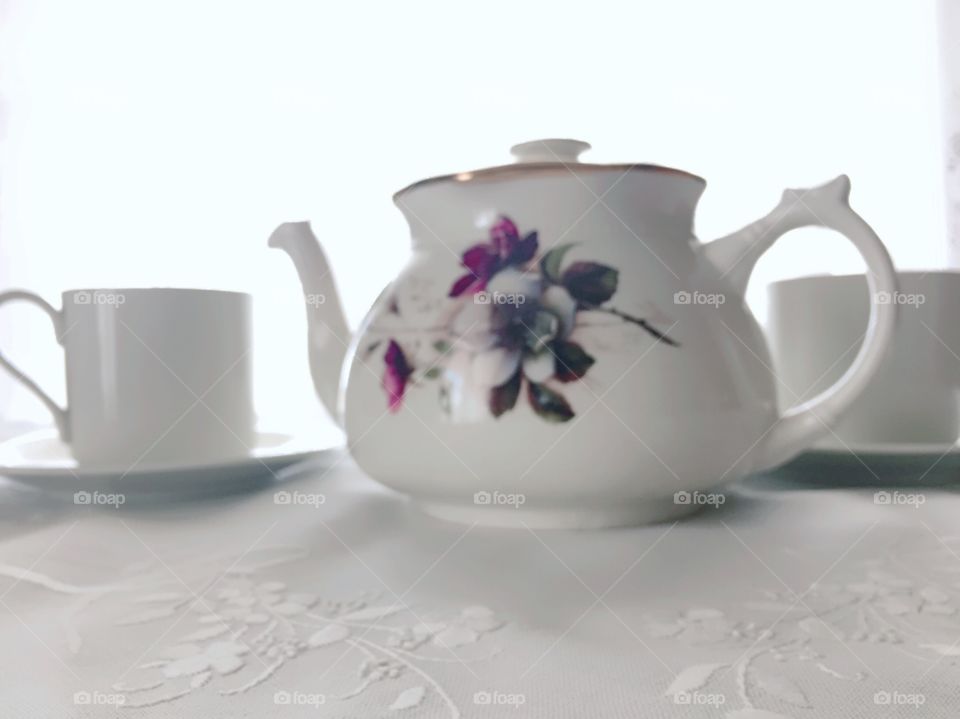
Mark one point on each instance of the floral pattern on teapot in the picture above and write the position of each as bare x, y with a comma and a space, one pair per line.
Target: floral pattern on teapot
519, 323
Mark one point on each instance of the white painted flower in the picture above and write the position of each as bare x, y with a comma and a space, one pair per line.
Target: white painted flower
472, 328
524, 287
539, 368
559, 302
479, 362
494, 366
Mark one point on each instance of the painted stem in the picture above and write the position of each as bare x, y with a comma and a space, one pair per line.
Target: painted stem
640, 322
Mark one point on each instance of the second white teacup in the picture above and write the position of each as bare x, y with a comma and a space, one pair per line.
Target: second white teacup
816, 328
155, 376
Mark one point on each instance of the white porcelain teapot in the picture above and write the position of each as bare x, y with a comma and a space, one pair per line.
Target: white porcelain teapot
561, 351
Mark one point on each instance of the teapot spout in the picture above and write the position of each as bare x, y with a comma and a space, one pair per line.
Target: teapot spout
327, 333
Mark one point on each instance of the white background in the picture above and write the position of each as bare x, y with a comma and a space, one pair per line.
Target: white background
157, 144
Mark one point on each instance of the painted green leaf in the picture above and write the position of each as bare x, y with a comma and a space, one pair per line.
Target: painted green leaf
590, 283
548, 404
572, 360
550, 262
504, 397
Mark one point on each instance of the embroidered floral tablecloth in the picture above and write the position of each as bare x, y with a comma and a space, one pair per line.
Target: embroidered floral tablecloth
335, 598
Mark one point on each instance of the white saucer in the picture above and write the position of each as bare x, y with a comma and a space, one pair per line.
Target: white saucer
881, 463
41, 460
904, 449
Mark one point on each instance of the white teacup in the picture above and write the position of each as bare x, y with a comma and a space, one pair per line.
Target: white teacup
816, 327
154, 376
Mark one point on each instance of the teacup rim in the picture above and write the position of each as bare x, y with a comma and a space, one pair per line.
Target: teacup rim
847, 277
144, 290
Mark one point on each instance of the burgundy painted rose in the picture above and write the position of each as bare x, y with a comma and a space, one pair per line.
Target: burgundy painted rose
484, 260
396, 376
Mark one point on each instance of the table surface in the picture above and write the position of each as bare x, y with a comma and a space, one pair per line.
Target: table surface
346, 601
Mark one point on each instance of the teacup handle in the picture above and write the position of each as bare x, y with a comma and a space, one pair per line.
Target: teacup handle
56, 316
736, 254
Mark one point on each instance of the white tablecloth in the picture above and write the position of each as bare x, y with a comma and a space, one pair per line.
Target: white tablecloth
784, 602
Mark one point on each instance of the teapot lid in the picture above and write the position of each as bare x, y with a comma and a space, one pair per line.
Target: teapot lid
543, 156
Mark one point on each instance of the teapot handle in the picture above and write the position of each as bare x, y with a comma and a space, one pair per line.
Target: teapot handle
736, 254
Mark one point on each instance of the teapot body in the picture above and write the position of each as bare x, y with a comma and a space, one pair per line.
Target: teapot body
561, 351
550, 358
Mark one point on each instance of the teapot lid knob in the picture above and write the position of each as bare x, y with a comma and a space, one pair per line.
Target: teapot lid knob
550, 150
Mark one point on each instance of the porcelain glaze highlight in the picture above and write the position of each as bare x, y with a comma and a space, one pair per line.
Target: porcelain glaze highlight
561, 351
